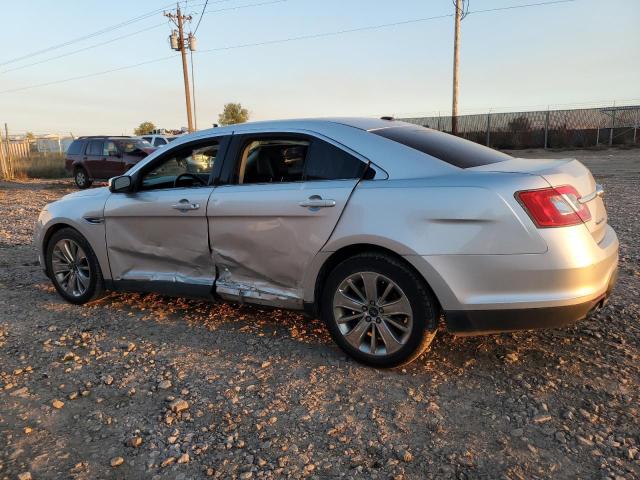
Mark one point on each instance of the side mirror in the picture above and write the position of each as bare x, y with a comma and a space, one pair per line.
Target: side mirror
120, 184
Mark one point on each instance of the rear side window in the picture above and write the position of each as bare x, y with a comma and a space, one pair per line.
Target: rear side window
95, 147
328, 162
159, 141
273, 161
448, 148
76, 147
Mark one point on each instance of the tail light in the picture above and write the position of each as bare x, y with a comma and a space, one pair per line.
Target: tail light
554, 206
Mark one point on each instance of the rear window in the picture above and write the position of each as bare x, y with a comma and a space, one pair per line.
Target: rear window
448, 148
76, 147
328, 162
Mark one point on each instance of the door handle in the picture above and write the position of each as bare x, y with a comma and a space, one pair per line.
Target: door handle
316, 201
184, 205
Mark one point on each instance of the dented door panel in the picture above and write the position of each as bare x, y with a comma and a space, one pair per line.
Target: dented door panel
150, 239
264, 236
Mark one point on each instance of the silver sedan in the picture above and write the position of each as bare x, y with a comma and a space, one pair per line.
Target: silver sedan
379, 227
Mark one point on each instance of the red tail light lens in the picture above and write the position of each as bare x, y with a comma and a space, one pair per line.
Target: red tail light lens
554, 207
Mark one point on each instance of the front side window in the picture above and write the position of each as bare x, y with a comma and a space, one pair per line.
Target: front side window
159, 141
273, 161
133, 145
110, 149
185, 167
95, 147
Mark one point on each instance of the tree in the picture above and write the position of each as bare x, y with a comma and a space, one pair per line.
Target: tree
30, 136
144, 128
233, 113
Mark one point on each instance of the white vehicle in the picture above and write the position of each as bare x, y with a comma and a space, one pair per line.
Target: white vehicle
158, 140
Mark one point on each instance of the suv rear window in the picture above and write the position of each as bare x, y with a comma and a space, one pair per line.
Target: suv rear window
76, 147
448, 148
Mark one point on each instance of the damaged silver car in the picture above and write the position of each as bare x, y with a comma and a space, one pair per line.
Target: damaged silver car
380, 227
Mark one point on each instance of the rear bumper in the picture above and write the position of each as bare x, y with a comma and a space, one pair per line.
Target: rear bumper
480, 322
498, 293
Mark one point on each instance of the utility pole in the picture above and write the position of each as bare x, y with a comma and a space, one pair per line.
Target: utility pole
459, 4
178, 43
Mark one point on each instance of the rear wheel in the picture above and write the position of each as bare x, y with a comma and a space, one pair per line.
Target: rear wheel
378, 310
73, 267
82, 178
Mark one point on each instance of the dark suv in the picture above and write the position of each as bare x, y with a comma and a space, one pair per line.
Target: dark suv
100, 158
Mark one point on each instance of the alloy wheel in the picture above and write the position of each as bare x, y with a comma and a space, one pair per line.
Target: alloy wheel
71, 267
373, 313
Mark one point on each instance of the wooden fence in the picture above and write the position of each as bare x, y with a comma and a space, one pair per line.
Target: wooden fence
9, 152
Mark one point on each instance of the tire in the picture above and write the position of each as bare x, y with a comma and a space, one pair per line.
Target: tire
81, 177
411, 315
90, 284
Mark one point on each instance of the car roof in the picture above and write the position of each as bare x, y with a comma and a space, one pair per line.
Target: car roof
361, 123
352, 133
102, 137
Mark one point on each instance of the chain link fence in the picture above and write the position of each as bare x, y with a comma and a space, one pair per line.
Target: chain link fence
585, 127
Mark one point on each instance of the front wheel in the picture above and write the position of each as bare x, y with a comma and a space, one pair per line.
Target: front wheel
73, 267
378, 310
81, 178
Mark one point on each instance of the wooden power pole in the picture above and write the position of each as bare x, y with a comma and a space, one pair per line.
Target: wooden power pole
178, 43
456, 60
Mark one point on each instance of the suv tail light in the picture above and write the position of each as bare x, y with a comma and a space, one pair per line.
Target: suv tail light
554, 206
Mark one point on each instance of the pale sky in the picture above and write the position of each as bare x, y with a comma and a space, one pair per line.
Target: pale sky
582, 52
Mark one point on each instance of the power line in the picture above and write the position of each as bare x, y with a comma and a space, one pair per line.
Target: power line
89, 75
87, 36
239, 7
290, 39
99, 32
200, 19
95, 45
73, 52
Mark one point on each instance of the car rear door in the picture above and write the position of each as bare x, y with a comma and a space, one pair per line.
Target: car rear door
282, 196
94, 159
157, 237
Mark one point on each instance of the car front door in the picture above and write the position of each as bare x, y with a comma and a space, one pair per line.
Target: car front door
281, 197
114, 162
157, 236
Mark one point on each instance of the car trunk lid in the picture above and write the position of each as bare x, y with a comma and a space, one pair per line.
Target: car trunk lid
567, 171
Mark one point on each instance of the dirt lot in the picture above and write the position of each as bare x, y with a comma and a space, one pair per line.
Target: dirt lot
266, 393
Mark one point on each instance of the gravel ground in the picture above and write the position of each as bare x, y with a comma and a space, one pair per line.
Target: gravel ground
143, 386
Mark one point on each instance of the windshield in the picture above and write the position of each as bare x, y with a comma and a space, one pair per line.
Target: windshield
129, 146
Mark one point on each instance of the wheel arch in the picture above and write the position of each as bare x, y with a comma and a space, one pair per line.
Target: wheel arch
49, 232
348, 251
93, 234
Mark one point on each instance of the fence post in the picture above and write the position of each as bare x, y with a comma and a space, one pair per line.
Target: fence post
635, 126
546, 129
3, 168
439, 121
9, 164
488, 128
613, 125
